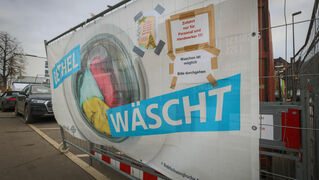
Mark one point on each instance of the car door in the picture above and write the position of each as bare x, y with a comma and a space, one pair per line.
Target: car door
21, 99
25, 98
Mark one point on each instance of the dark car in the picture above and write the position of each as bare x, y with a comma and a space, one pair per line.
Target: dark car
8, 100
34, 101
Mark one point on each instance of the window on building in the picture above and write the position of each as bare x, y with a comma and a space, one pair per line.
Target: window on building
46, 73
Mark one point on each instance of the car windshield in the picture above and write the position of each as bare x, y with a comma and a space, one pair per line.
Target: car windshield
40, 90
12, 93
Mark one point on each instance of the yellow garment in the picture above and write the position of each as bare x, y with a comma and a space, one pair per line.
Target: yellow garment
95, 111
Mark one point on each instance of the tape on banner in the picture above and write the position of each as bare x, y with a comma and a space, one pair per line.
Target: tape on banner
187, 15
160, 9
212, 80
173, 83
171, 55
212, 50
193, 47
169, 40
138, 51
171, 68
211, 24
214, 63
138, 16
159, 47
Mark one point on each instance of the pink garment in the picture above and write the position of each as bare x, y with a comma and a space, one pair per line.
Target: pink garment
103, 79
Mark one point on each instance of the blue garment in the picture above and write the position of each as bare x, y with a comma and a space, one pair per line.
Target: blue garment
89, 88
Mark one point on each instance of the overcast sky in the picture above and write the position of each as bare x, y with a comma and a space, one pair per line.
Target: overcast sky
33, 21
277, 18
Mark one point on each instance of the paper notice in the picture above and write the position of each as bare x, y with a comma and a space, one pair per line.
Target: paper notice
147, 37
190, 31
267, 126
193, 67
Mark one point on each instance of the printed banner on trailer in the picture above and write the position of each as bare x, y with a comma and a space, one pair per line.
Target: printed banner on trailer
165, 80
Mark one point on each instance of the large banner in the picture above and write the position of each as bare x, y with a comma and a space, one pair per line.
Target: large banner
173, 84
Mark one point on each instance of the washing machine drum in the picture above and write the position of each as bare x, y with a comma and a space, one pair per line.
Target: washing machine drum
107, 79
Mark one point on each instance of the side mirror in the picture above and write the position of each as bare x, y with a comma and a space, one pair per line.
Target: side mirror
22, 93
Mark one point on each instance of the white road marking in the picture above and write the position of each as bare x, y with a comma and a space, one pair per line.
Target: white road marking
49, 128
82, 155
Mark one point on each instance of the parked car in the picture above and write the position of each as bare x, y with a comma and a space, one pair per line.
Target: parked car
34, 101
8, 100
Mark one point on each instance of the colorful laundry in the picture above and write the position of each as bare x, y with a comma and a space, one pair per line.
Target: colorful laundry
99, 70
88, 88
95, 111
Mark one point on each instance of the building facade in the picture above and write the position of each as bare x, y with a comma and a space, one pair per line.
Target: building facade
34, 66
35, 71
266, 61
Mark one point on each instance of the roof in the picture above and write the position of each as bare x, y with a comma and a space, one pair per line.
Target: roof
30, 79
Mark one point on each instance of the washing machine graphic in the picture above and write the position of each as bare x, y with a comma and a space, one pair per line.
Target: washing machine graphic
109, 77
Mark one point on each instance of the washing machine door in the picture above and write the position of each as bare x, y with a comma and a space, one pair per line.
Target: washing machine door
107, 79
110, 76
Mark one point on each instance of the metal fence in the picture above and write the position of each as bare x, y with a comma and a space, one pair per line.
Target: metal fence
292, 153
110, 157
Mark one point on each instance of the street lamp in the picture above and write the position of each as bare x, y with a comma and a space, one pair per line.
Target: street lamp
294, 54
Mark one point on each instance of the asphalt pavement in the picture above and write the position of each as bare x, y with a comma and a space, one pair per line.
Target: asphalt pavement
24, 154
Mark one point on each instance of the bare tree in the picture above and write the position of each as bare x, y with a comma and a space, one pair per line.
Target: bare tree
11, 58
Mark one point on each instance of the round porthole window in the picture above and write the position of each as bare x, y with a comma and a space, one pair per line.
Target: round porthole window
107, 79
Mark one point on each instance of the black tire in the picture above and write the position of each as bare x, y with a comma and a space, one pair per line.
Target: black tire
16, 112
28, 118
2, 108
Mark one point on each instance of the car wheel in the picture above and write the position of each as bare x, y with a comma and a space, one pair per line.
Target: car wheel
16, 112
2, 108
27, 115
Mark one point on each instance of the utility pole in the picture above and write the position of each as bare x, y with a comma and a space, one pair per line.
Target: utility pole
293, 58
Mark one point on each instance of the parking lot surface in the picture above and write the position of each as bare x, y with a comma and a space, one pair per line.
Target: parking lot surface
24, 154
